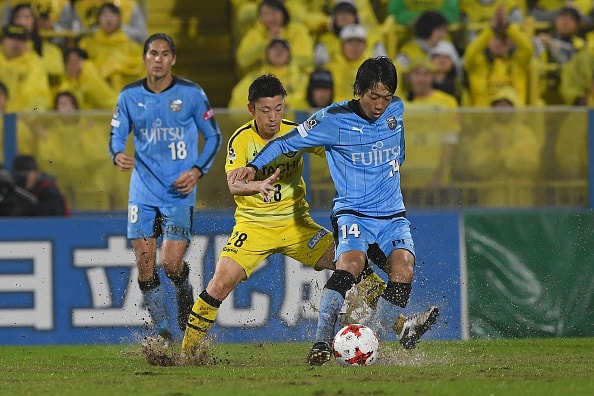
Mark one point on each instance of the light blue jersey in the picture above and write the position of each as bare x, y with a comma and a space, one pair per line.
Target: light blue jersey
364, 156
165, 127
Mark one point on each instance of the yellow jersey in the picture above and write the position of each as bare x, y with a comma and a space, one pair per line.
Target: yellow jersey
288, 203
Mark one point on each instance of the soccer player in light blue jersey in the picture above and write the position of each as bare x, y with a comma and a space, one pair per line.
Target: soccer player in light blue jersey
165, 115
364, 143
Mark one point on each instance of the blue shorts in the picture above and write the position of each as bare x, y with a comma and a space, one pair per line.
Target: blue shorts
352, 232
171, 223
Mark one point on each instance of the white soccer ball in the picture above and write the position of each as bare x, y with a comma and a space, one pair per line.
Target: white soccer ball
355, 345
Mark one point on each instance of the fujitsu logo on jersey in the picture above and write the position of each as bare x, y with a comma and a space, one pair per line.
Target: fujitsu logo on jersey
161, 134
377, 156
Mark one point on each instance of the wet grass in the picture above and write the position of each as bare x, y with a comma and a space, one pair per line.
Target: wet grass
486, 367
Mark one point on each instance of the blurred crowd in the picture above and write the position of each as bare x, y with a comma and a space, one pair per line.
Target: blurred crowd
58, 57
500, 55
542, 50
61, 56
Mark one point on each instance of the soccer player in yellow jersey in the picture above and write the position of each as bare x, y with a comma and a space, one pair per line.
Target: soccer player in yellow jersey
272, 215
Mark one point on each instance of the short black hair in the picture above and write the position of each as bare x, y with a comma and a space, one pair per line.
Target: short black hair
24, 163
572, 12
427, 22
265, 86
111, 7
373, 71
343, 7
320, 78
282, 42
76, 50
159, 36
68, 94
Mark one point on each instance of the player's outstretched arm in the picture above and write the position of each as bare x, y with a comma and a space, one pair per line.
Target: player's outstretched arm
241, 175
245, 186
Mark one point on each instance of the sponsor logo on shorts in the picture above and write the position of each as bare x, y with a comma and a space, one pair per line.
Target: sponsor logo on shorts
316, 238
228, 249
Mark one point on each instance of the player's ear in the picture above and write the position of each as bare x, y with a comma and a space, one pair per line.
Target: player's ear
173, 61
251, 109
356, 89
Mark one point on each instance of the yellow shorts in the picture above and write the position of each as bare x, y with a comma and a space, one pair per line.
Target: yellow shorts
251, 243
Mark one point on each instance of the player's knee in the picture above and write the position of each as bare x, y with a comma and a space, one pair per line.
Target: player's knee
219, 287
223, 282
401, 265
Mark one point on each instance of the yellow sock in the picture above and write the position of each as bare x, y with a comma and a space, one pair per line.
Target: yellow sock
201, 319
399, 324
371, 288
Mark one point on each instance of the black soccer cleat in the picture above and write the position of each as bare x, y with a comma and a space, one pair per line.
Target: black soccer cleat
185, 302
319, 354
167, 337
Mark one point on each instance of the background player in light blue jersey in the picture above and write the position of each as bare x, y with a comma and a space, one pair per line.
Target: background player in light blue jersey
165, 114
364, 143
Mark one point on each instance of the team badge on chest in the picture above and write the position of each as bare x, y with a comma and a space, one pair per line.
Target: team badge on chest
391, 122
175, 105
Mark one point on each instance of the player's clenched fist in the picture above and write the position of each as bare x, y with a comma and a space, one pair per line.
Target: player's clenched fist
124, 162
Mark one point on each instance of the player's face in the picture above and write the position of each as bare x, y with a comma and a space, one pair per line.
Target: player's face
268, 113
159, 59
374, 101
